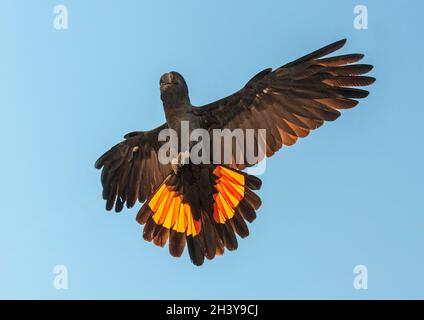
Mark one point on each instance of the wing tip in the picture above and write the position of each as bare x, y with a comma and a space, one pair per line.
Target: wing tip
366, 93
98, 164
342, 41
102, 159
338, 44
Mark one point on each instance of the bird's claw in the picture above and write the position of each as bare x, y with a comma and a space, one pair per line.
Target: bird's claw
180, 161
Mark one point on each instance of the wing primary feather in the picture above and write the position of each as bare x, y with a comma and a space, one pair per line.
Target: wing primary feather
318, 53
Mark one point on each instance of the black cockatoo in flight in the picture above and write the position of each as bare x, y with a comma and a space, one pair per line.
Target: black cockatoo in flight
205, 205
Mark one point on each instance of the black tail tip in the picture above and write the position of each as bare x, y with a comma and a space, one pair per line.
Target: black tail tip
254, 183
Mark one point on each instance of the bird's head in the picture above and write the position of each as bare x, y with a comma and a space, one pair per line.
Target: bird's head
173, 86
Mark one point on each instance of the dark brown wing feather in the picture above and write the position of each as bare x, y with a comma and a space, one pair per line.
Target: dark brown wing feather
292, 100
131, 169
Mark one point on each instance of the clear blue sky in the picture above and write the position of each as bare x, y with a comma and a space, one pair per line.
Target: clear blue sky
349, 194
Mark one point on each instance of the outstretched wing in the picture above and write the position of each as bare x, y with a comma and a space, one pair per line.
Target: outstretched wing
131, 169
292, 100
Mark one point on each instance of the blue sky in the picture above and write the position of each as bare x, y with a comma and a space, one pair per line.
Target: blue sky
350, 194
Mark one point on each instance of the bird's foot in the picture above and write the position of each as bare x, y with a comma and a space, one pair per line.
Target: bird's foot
180, 161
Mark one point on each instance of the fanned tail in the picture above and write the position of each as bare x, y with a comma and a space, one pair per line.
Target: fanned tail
204, 206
